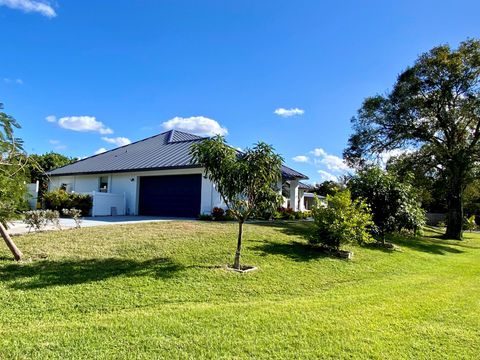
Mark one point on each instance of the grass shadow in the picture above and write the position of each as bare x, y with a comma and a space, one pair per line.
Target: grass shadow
426, 244
295, 250
47, 273
294, 228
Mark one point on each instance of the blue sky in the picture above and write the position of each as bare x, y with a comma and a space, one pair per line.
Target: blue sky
109, 72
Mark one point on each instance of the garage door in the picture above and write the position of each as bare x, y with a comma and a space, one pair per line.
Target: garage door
177, 195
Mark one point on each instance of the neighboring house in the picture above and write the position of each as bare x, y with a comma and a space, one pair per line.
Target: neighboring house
155, 176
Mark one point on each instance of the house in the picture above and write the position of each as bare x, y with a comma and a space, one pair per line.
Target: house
154, 177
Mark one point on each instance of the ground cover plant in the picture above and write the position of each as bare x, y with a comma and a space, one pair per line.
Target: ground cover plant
97, 293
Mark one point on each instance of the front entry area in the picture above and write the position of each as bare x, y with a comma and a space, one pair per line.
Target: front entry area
170, 196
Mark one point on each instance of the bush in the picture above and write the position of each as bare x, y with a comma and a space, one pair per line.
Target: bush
205, 217
37, 219
343, 221
229, 215
75, 214
218, 214
469, 223
60, 199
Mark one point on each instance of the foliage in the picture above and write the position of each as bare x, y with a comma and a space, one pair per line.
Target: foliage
470, 223
13, 166
218, 214
343, 221
247, 181
394, 204
60, 199
38, 219
327, 187
433, 111
205, 217
75, 214
38, 165
283, 213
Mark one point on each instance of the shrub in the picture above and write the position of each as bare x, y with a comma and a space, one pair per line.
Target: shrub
37, 219
343, 221
53, 216
469, 223
218, 214
60, 199
229, 215
75, 214
205, 217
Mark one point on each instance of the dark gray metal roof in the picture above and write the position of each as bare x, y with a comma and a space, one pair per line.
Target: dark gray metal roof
304, 186
168, 150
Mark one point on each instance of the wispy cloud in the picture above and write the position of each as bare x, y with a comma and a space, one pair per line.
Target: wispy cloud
288, 112
99, 151
57, 144
37, 6
119, 141
300, 158
84, 124
199, 125
12, 81
51, 118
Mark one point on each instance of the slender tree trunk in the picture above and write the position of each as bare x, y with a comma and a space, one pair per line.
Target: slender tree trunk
236, 263
11, 245
455, 204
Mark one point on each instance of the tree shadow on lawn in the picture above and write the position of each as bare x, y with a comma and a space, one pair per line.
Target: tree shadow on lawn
424, 244
46, 273
294, 250
295, 227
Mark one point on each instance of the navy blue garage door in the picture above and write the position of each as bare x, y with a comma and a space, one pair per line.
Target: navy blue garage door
176, 195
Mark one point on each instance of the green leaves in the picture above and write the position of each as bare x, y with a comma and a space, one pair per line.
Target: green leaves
247, 181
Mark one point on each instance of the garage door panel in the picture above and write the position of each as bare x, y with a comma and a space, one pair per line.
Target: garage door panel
176, 195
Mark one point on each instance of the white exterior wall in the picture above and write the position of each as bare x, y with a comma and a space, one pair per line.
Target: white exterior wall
128, 183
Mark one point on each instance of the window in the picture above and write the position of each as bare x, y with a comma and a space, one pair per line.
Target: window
103, 186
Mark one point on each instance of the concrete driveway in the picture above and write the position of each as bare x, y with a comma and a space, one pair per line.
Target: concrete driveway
18, 227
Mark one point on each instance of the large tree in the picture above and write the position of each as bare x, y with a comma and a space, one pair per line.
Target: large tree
433, 110
13, 172
247, 181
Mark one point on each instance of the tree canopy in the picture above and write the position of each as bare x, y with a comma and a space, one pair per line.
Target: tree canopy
434, 111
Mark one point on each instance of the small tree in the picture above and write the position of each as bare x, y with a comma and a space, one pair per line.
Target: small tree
12, 177
247, 181
342, 221
393, 203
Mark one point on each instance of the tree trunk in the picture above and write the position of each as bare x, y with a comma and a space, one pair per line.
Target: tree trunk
11, 245
455, 204
236, 263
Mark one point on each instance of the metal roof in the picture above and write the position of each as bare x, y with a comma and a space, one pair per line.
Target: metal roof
168, 150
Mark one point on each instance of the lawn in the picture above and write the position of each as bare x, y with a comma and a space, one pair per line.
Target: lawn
158, 290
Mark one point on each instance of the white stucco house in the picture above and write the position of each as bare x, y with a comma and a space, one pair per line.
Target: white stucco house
154, 176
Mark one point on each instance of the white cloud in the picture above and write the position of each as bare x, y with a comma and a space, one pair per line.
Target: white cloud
99, 151
300, 158
39, 6
326, 176
318, 152
119, 141
84, 124
332, 162
51, 118
198, 125
288, 112
54, 142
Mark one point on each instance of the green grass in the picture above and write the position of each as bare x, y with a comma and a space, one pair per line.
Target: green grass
159, 291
